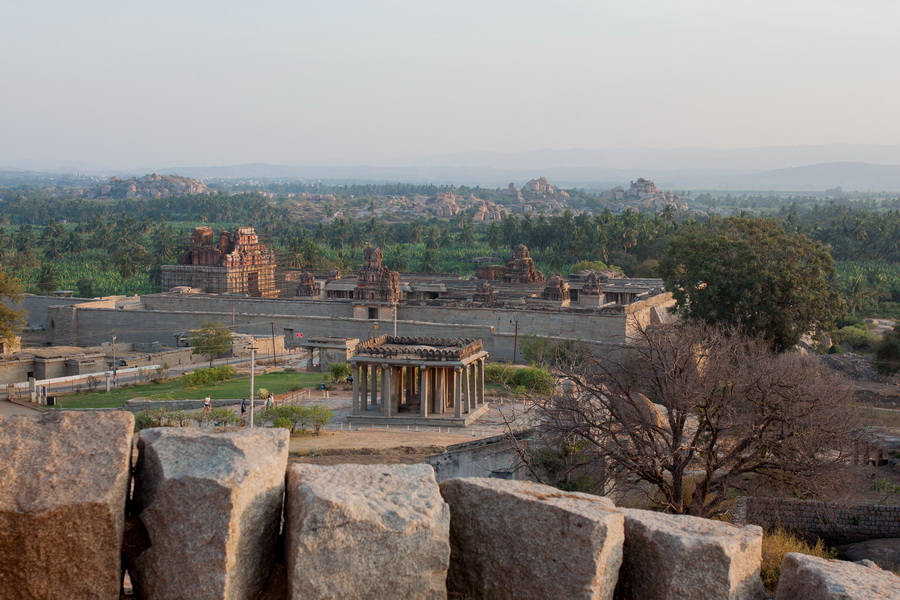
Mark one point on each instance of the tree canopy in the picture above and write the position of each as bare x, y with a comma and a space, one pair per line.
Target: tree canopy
211, 338
753, 275
10, 319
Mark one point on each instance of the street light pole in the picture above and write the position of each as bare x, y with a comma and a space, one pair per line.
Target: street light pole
252, 374
115, 364
515, 340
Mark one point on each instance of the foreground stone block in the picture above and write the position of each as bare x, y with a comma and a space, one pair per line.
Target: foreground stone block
63, 485
520, 540
805, 577
366, 531
211, 505
677, 556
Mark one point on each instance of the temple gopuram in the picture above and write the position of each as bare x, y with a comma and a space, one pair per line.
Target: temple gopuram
224, 265
520, 268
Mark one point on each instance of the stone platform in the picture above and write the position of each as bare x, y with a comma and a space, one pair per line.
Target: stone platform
373, 417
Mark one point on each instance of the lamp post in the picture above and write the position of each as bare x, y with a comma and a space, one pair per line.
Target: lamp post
115, 364
252, 382
515, 339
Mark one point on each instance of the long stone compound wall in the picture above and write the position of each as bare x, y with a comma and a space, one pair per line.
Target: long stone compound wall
204, 519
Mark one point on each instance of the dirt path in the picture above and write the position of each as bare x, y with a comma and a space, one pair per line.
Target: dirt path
375, 439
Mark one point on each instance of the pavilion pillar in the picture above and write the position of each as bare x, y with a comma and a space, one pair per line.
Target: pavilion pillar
423, 391
480, 393
399, 387
457, 392
356, 399
439, 391
364, 386
473, 386
374, 370
309, 359
385, 390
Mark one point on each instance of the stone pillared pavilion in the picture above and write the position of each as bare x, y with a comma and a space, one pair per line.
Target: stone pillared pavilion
419, 378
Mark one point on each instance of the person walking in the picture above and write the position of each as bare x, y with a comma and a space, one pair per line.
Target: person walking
243, 410
207, 404
270, 401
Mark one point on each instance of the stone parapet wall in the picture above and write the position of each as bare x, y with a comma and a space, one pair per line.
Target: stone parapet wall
836, 523
219, 513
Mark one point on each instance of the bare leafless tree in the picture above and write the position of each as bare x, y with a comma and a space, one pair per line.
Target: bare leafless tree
699, 414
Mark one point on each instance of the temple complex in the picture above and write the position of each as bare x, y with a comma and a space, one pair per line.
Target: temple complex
419, 378
224, 265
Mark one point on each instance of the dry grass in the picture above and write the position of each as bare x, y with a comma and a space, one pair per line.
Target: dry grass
879, 417
778, 542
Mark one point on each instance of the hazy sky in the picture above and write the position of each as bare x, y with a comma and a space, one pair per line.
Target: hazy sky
129, 83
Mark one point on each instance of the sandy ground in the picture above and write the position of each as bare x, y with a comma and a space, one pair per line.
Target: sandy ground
7, 409
375, 439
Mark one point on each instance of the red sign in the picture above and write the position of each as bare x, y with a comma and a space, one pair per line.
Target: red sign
298, 335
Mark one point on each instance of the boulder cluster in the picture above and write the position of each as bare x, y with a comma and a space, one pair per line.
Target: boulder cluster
220, 514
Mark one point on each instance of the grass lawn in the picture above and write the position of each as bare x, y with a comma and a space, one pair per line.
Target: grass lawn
238, 387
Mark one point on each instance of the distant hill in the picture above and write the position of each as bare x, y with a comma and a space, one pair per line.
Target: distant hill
149, 186
855, 176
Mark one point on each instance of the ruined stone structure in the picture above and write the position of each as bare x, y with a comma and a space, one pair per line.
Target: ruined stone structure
557, 290
591, 286
238, 265
520, 268
423, 376
374, 281
484, 292
307, 286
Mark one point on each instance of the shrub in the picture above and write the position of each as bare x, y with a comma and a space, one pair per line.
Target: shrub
146, 419
858, 338
318, 417
262, 393
534, 380
498, 373
223, 416
339, 371
301, 417
887, 353
209, 376
284, 423
776, 544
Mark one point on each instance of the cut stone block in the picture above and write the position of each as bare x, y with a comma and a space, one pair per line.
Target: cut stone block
805, 577
210, 502
366, 531
679, 556
521, 540
63, 486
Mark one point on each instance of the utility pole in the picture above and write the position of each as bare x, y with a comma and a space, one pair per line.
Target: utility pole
515, 339
274, 358
115, 364
395, 318
252, 381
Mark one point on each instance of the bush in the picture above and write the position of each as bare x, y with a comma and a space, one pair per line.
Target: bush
776, 544
301, 417
223, 417
210, 376
284, 423
339, 371
146, 419
262, 393
858, 338
534, 380
887, 353
498, 373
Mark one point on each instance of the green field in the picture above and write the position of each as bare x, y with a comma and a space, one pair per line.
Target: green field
238, 387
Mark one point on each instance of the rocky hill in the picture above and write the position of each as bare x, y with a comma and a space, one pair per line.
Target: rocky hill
644, 195
148, 186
